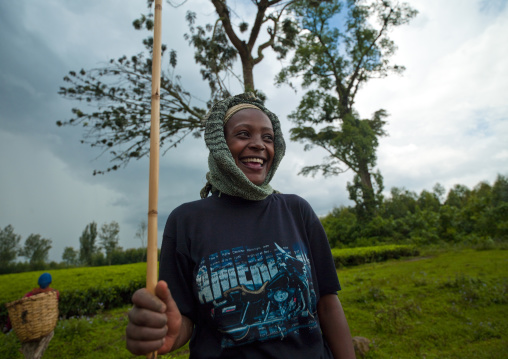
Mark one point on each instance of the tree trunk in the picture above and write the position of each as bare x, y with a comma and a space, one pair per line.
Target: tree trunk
244, 49
248, 76
369, 200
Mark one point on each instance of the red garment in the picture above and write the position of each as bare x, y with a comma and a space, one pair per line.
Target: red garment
40, 290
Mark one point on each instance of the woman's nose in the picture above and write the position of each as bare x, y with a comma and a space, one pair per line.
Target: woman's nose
257, 143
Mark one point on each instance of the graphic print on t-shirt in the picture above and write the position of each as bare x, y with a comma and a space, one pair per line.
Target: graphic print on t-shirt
256, 294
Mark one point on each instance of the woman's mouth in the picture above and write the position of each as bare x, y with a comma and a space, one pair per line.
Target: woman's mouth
253, 162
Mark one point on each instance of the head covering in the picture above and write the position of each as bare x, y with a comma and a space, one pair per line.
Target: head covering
224, 175
44, 280
231, 111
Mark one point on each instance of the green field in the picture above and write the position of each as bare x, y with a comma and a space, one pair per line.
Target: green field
14, 286
450, 304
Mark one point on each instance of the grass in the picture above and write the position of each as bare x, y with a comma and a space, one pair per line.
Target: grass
14, 286
101, 336
450, 304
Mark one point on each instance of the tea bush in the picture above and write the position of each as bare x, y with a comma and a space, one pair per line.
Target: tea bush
355, 256
83, 291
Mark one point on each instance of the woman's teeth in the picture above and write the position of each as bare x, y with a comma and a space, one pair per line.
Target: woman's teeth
256, 160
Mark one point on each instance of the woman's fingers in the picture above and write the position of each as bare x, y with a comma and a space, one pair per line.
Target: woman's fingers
154, 321
143, 347
144, 299
136, 332
147, 327
147, 318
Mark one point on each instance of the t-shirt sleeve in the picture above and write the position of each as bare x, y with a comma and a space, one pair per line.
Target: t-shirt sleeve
323, 263
175, 268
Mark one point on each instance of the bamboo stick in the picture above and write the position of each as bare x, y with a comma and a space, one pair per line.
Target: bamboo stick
153, 183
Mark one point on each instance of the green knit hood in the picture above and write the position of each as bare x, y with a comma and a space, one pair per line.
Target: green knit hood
224, 175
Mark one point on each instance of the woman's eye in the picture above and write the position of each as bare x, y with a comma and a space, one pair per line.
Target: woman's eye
268, 137
242, 134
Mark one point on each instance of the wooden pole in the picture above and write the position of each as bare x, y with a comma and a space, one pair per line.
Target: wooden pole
153, 184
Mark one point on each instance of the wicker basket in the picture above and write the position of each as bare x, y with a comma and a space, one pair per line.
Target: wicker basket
34, 317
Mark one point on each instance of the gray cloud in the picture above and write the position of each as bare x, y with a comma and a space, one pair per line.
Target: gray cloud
448, 114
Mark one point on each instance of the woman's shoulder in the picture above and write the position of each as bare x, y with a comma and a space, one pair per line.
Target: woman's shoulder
293, 200
194, 206
290, 197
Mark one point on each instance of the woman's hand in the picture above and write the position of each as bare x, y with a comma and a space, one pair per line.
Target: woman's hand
155, 323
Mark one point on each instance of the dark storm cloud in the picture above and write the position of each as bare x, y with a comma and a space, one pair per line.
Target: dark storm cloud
46, 182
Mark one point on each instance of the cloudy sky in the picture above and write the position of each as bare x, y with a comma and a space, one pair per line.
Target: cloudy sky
448, 113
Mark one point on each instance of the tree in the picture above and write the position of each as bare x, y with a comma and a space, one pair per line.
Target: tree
141, 232
109, 238
338, 225
70, 256
499, 212
500, 191
458, 196
119, 93
87, 244
400, 203
246, 49
36, 249
9, 245
333, 63
142, 235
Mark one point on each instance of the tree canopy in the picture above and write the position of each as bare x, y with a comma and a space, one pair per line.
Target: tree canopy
116, 97
9, 245
70, 256
36, 249
477, 217
339, 46
88, 246
109, 238
342, 45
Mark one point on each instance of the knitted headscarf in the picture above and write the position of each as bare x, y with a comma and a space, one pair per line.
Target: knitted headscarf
224, 175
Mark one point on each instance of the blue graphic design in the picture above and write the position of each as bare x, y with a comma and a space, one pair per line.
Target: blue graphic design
256, 294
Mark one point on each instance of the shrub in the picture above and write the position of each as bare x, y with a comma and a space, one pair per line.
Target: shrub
360, 255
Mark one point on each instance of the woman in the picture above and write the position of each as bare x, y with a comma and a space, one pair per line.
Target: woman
250, 270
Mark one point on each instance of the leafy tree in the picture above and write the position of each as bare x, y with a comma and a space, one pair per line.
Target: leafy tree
130, 255
499, 211
87, 243
439, 192
9, 245
70, 256
500, 191
477, 217
428, 200
109, 238
281, 37
400, 203
36, 249
338, 225
118, 118
141, 233
458, 196
333, 62
449, 223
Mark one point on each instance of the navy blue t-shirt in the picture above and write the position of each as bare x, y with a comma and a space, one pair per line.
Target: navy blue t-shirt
249, 275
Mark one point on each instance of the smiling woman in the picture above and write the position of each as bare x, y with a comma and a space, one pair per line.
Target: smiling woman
249, 136
246, 272
226, 175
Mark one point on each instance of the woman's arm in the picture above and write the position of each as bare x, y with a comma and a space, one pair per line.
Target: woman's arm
155, 323
334, 327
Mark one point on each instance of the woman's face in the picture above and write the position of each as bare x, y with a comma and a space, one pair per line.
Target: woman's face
250, 138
